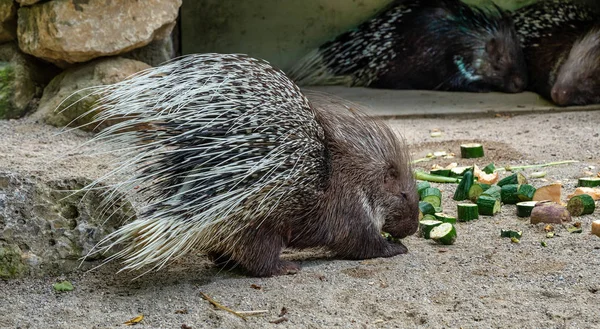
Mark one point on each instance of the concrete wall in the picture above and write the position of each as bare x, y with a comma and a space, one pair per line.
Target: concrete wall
280, 31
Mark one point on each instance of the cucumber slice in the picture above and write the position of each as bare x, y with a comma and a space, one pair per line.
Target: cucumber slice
581, 204
516, 178
589, 182
508, 193
429, 217
524, 208
432, 195
494, 191
426, 208
441, 172
425, 226
511, 234
487, 205
462, 190
444, 233
525, 192
475, 191
458, 171
445, 218
467, 212
489, 169
471, 150
421, 185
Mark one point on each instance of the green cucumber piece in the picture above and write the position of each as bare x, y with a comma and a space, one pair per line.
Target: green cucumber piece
516, 178
462, 190
525, 192
425, 227
589, 182
459, 171
432, 195
494, 192
445, 218
487, 205
475, 191
467, 212
426, 208
444, 233
509, 193
421, 185
511, 234
440, 172
489, 169
582, 204
471, 150
524, 208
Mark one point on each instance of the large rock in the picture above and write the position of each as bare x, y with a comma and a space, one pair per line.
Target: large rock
22, 81
46, 229
70, 31
8, 20
155, 53
61, 90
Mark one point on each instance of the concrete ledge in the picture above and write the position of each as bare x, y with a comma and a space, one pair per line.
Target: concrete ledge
399, 103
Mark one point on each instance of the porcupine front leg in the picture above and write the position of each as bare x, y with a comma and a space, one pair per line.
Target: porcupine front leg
258, 251
368, 243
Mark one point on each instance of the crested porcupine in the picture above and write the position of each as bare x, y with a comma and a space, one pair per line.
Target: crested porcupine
234, 161
422, 44
560, 43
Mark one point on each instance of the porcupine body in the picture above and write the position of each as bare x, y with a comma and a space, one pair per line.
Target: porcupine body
560, 43
422, 44
234, 161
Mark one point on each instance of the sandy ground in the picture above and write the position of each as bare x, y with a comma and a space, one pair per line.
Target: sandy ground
482, 281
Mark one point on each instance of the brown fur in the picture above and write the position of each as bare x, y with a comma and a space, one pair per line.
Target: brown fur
367, 164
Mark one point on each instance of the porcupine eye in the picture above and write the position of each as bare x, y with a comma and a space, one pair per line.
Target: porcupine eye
390, 182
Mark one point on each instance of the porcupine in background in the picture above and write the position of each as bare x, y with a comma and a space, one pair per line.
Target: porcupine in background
561, 44
422, 44
234, 161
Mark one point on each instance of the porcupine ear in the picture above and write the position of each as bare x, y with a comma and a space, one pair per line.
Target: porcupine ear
390, 181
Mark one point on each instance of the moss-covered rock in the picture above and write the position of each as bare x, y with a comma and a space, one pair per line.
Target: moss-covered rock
22, 81
11, 265
64, 103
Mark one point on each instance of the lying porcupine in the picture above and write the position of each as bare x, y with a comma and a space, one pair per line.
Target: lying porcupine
422, 44
560, 43
236, 162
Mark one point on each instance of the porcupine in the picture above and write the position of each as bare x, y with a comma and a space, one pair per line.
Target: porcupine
422, 44
561, 44
235, 161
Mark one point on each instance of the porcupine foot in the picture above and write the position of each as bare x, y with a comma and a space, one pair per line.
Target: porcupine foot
227, 263
369, 244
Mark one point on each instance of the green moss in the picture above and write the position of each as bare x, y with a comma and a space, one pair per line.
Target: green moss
7, 90
11, 265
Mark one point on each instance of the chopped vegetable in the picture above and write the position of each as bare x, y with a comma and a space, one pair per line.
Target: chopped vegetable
516, 178
589, 182
582, 204
543, 243
574, 229
426, 208
471, 150
475, 191
538, 174
494, 191
511, 233
596, 227
593, 192
489, 169
524, 208
444, 233
422, 185
467, 212
483, 177
525, 192
462, 191
426, 226
63, 286
432, 195
549, 192
549, 212
445, 218
434, 178
509, 193
487, 205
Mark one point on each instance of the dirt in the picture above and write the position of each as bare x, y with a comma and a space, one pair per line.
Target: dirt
482, 281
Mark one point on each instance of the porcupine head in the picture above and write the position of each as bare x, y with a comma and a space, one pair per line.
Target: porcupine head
487, 50
236, 162
578, 79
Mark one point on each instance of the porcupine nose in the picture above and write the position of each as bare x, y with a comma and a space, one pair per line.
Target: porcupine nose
560, 95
